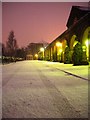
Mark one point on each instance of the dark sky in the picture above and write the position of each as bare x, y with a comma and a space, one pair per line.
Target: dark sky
34, 22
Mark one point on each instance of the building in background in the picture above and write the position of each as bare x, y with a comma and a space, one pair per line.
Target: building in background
34, 49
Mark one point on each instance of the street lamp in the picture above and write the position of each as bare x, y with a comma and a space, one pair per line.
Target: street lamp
42, 49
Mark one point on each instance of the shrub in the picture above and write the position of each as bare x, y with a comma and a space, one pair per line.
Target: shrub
67, 58
77, 54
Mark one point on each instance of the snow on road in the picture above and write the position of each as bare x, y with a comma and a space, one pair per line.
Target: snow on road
33, 89
0, 91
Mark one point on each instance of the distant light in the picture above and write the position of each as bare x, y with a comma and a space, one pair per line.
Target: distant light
58, 44
36, 55
42, 49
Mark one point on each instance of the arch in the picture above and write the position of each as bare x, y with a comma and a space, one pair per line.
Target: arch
64, 44
85, 35
73, 41
86, 42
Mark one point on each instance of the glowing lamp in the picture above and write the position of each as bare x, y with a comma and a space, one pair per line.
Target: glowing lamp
42, 49
58, 44
36, 55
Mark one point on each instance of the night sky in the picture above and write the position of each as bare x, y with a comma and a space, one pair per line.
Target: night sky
34, 22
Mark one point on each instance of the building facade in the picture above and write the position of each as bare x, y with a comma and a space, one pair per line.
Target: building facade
33, 49
78, 30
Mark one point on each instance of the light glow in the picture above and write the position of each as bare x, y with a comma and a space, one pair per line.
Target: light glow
86, 43
36, 55
58, 44
60, 50
42, 49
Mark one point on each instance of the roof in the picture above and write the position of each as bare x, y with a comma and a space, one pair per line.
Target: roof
77, 12
85, 18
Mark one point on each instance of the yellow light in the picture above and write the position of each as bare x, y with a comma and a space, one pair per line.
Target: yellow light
58, 44
42, 49
60, 50
36, 55
84, 48
86, 43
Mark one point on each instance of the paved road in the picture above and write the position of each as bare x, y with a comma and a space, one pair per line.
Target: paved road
33, 89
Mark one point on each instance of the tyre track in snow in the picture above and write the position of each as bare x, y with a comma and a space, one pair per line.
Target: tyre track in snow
60, 101
4, 82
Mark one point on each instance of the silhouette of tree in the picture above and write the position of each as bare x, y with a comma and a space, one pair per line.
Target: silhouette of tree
3, 50
11, 45
21, 53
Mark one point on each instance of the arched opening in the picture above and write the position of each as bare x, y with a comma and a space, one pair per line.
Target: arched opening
86, 42
73, 42
64, 45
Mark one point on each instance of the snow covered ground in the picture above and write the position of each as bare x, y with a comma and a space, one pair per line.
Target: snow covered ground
81, 71
40, 89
